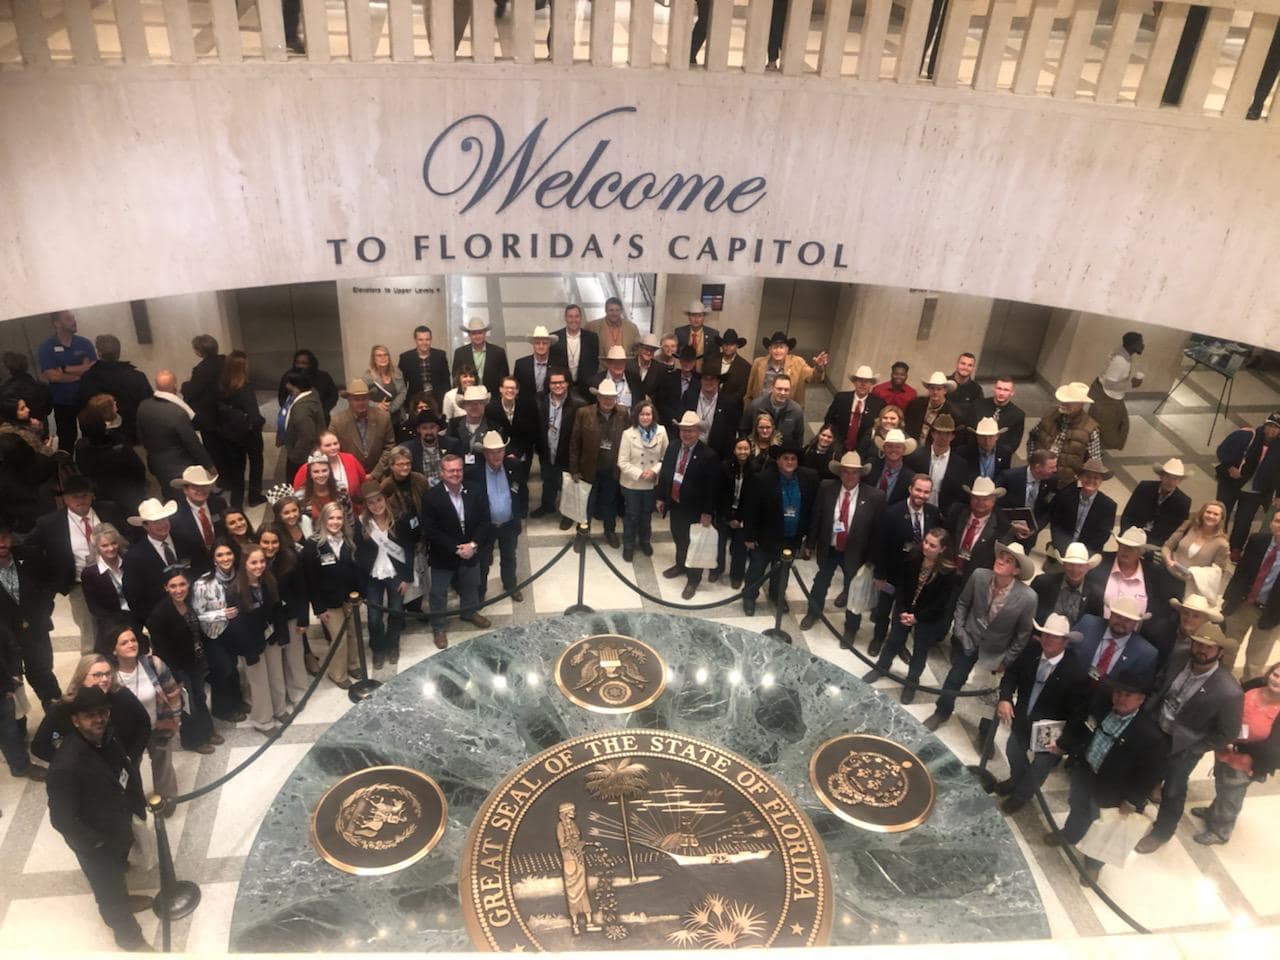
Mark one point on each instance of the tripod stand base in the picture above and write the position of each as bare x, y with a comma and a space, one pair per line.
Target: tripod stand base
578, 608
181, 899
362, 690
777, 633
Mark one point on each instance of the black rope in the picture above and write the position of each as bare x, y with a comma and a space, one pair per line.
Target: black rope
636, 588
919, 687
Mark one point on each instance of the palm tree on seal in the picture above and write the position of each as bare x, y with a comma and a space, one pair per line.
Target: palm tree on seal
619, 780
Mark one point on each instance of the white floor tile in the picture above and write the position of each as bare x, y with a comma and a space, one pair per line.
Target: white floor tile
211, 923
244, 801
49, 925
558, 587
1161, 889
1253, 852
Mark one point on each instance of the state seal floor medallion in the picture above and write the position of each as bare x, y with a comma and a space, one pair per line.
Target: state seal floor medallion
872, 782
611, 673
379, 820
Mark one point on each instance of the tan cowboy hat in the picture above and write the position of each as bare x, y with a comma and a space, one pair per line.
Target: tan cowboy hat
1074, 392
195, 476
696, 306
616, 353
151, 510
943, 423
1076, 553
984, 487
475, 392
1226, 644
492, 440
939, 379
862, 373
1055, 624
1198, 604
1134, 537
607, 388
987, 427
1026, 566
850, 461
897, 436
357, 388
542, 333
476, 325
649, 341
1128, 608
1170, 468
1094, 465
688, 419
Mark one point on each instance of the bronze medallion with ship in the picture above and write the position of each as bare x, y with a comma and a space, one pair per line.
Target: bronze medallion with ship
379, 820
611, 673
643, 839
872, 782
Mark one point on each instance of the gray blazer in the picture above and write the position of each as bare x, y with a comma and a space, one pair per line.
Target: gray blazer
170, 439
1000, 642
1211, 718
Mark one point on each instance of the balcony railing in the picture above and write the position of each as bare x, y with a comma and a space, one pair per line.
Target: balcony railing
1121, 52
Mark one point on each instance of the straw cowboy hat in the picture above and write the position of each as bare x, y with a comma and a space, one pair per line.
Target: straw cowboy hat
475, 392
1198, 604
939, 379
357, 388
1096, 466
542, 333
476, 325
1134, 537
987, 427
1170, 468
984, 487
1074, 392
152, 510
492, 440
607, 388
1026, 566
695, 306
862, 373
616, 353
1076, 553
649, 341
1128, 608
897, 436
1226, 644
688, 419
850, 461
1056, 625
195, 476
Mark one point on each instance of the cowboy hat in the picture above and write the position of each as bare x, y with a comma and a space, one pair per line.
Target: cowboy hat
984, 487
688, 419
542, 333
1130, 609
1206, 581
1170, 468
897, 436
475, 392
1129, 680
1197, 604
943, 423
1074, 392
1026, 566
476, 325
1225, 644
1272, 419
939, 379
76, 483
649, 341
370, 488
850, 461
696, 306
687, 352
616, 352
1076, 553
1057, 625
731, 336
1094, 465
787, 446
779, 337
492, 440
710, 367
151, 510
430, 416
606, 388
863, 372
987, 427
1134, 537
195, 476
357, 388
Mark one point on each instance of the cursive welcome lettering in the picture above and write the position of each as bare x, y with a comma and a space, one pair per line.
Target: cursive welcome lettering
481, 143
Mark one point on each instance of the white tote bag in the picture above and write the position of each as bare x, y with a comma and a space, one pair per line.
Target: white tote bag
702, 547
573, 498
1111, 837
862, 591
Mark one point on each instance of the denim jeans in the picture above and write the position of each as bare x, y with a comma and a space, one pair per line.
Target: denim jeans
1173, 799
384, 628
1083, 808
467, 579
637, 522
962, 665
506, 537
1231, 785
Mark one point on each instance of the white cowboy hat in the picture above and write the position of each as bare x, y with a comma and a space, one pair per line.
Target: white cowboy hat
1057, 625
1129, 608
696, 306
476, 392
1074, 392
1199, 604
863, 372
1026, 566
1077, 553
984, 487
492, 440
1170, 468
897, 436
850, 461
688, 419
476, 325
649, 341
987, 427
196, 476
939, 379
616, 353
1134, 537
151, 510
607, 388
542, 333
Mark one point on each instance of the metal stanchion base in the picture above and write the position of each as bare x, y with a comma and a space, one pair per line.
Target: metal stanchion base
578, 608
181, 901
363, 689
777, 633
986, 779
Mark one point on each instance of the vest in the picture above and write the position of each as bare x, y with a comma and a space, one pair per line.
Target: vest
1074, 448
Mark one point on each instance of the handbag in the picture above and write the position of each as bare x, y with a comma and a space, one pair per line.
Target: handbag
1111, 837
574, 495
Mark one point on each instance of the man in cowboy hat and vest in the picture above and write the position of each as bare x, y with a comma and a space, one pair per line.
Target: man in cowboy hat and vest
984, 450
501, 479
845, 520
1158, 507
644, 369
470, 428
943, 464
994, 618
1083, 513
593, 455
1008, 416
686, 493
614, 329
735, 369
1068, 591
966, 395
577, 350
776, 517
1032, 488
144, 564
695, 333
489, 359
1046, 682
626, 384
778, 359
890, 473
1111, 644
976, 526
200, 511
364, 429
1069, 432
923, 410
717, 414
1109, 389
787, 413
531, 371
852, 414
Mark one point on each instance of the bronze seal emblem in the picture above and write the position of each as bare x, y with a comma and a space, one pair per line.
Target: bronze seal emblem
872, 782
610, 673
379, 820
642, 839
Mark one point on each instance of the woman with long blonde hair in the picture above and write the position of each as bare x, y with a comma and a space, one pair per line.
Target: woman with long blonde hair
129, 720
386, 383
1201, 541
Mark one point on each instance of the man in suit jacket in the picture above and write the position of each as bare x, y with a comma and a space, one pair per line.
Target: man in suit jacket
705, 340
890, 473
1197, 617
613, 329
556, 412
425, 368
686, 493
923, 410
736, 369
1009, 417
531, 371
1068, 591
201, 391
364, 430
200, 513
1252, 599
776, 516
644, 368
26, 617
166, 432
1158, 507
675, 388
717, 414
1083, 513
1120, 757
455, 523
120, 378
1045, 683
577, 350
982, 449
976, 527
430, 445
502, 481
977, 637
903, 524
1240, 455
852, 413
516, 414
845, 519
943, 463
1114, 644
1258, 474
626, 381
488, 359
593, 456
1033, 488
1198, 706
145, 563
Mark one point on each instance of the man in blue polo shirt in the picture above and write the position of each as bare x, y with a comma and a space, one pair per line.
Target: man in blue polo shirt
64, 358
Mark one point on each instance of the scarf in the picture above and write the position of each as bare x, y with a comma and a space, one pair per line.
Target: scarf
647, 433
177, 400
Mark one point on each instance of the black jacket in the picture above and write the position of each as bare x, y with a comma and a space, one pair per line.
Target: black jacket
108, 459
960, 472
937, 598
330, 578
201, 393
125, 382
495, 364
35, 393
560, 455
900, 486
896, 536
1014, 483
1241, 582
1159, 520
516, 473
983, 553
1047, 586
49, 547
672, 398
724, 422
726, 507
1011, 417
187, 537
524, 370
1065, 695
172, 642
144, 577
840, 412
735, 381
446, 443
698, 488
651, 378
239, 417
437, 373
588, 359
1098, 522
129, 724
87, 803
859, 547
403, 534
1134, 765
520, 429
443, 531
321, 383
763, 513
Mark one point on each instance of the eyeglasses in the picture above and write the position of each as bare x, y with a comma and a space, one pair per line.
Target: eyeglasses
100, 675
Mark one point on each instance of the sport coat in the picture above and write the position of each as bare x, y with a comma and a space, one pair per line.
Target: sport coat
170, 439
477, 476
1241, 582
735, 379
127, 384
1210, 718
201, 391
762, 515
306, 421
188, 540
49, 546
724, 422
1047, 586
521, 428
1159, 520
1161, 587
701, 474
88, 802
437, 372
710, 339
495, 364
379, 437
900, 486
143, 580
896, 536
913, 417
859, 547
560, 455
628, 334
1096, 530
1138, 655
958, 473
670, 395
584, 441
444, 532
1135, 763
1064, 696
588, 359
1000, 641
632, 379
840, 413
1014, 483
525, 372
1011, 418
649, 380
971, 456
983, 552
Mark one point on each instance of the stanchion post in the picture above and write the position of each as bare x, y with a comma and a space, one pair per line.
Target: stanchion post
177, 898
985, 777
782, 575
583, 536
362, 689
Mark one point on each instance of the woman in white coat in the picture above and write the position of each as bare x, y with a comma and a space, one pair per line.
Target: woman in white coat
640, 453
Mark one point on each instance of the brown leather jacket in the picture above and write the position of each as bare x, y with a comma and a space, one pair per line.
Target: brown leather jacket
584, 443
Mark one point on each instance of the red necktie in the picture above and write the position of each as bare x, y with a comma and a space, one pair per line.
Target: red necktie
695, 341
884, 480
88, 530
1104, 661
970, 535
206, 528
675, 483
855, 421
1256, 590
843, 536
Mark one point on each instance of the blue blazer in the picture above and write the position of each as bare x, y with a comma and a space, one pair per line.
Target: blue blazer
1138, 653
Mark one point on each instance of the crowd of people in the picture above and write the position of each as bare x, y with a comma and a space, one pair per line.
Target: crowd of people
907, 499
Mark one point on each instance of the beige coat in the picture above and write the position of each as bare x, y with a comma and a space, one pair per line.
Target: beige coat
379, 437
635, 456
797, 369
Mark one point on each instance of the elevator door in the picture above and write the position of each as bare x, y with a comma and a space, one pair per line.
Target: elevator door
804, 309
1014, 337
275, 322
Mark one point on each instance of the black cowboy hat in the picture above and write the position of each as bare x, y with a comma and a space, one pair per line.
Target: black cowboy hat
430, 416
1131, 681
731, 336
780, 337
687, 353
787, 446
710, 367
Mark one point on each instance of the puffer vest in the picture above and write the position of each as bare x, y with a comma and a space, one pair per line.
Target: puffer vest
1073, 449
